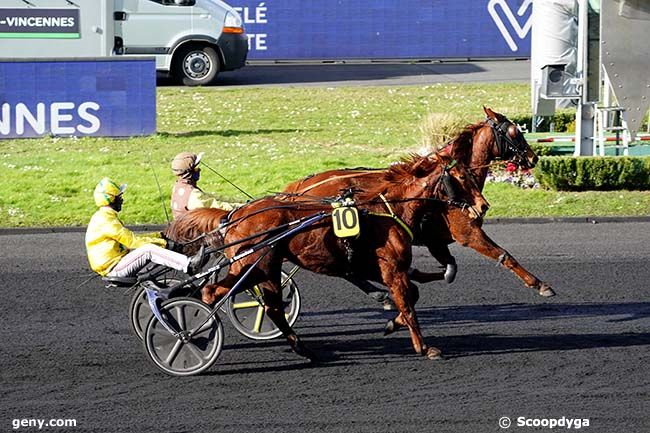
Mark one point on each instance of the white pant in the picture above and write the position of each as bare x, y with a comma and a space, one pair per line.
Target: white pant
140, 257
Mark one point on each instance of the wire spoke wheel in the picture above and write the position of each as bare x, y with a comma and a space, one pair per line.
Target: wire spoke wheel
178, 357
246, 310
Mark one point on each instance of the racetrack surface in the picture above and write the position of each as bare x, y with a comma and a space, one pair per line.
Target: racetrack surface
369, 74
68, 352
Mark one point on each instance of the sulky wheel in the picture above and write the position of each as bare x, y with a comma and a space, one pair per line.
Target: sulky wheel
246, 310
139, 311
176, 356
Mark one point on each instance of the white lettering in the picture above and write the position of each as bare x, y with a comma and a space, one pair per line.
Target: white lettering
40, 21
5, 120
257, 41
37, 123
40, 423
260, 42
23, 117
246, 16
257, 17
56, 118
568, 423
260, 14
90, 118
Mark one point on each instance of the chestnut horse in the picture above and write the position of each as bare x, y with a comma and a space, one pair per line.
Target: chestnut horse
476, 146
381, 252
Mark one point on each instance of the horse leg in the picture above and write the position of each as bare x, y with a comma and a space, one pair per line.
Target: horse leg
442, 254
212, 293
435, 235
274, 308
400, 288
398, 322
475, 238
374, 292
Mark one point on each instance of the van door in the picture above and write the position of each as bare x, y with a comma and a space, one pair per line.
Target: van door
149, 27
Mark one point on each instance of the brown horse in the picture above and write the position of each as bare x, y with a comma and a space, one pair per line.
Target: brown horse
476, 146
381, 252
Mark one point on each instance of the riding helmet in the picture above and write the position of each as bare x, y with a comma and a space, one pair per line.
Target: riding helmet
106, 191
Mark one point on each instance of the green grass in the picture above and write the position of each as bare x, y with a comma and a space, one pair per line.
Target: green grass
262, 139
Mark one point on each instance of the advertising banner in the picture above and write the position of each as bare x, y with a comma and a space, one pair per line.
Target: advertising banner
386, 29
105, 97
39, 23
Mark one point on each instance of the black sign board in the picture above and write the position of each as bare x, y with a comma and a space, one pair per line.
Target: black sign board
35, 23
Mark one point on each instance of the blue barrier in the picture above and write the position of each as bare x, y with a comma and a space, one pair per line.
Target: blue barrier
386, 29
98, 97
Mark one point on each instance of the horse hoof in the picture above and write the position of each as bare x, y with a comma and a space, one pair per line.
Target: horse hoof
389, 328
303, 351
388, 305
433, 353
546, 291
450, 273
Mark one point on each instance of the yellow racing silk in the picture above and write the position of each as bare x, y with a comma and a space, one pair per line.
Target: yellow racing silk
107, 240
199, 199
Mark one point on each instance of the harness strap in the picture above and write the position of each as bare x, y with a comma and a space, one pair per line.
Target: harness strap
395, 218
330, 179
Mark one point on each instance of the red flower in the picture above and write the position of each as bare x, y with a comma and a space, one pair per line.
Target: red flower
511, 167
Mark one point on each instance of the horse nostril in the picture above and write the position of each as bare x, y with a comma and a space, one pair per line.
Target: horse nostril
484, 208
535, 159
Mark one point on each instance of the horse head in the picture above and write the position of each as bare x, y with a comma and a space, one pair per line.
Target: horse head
509, 143
195, 228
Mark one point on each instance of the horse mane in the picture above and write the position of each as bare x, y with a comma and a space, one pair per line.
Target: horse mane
190, 225
462, 144
413, 165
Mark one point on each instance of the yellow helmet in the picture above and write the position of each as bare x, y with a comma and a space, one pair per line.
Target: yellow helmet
106, 191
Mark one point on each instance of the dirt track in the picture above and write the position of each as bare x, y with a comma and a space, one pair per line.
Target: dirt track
68, 353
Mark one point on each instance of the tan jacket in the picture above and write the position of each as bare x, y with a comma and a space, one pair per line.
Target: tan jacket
187, 196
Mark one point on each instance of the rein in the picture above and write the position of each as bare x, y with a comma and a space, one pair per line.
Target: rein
330, 179
489, 164
395, 218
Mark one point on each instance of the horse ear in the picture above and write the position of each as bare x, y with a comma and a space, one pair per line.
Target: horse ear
489, 113
416, 168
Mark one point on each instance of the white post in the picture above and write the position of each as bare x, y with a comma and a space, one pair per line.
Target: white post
584, 142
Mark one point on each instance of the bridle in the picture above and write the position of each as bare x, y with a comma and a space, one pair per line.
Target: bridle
448, 187
509, 147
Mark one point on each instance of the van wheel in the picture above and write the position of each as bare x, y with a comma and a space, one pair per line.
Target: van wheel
196, 65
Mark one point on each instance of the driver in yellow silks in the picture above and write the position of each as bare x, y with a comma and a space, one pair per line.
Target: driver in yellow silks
115, 251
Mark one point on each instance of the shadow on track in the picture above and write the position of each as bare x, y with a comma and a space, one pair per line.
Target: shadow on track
463, 314
333, 345
323, 73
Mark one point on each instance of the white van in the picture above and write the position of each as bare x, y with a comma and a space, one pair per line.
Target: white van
193, 40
